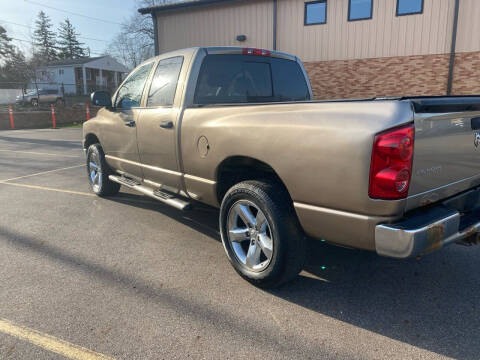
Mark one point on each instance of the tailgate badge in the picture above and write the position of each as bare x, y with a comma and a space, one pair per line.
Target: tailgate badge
476, 139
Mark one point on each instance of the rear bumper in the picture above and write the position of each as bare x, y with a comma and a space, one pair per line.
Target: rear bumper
425, 231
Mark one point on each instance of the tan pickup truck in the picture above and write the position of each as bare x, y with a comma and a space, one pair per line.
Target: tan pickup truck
236, 128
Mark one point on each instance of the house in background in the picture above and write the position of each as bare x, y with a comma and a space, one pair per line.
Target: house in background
81, 76
350, 48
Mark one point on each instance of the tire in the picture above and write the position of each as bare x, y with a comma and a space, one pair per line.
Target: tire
98, 171
281, 241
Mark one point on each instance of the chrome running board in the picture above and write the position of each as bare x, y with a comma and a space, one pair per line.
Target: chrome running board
157, 194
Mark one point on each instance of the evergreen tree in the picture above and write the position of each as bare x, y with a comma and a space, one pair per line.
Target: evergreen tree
44, 38
6, 48
15, 71
69, 46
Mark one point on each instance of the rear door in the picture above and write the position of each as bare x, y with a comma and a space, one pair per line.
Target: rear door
447, 148
119, 131
158, 125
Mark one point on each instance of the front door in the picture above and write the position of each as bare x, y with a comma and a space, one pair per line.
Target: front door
119, 132
157, 126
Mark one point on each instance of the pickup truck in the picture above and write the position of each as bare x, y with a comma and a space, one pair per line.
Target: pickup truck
236, 128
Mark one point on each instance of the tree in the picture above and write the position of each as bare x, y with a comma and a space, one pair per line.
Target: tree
69, 46
6, 47
15, 72
44, 38
135, 41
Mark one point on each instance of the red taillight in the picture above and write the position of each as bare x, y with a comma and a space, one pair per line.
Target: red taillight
390, 170
258, 52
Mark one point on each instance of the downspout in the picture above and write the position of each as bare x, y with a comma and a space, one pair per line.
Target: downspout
274, 24
155, 32
451, 65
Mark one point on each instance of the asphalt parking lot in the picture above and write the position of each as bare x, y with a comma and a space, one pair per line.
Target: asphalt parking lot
130, 278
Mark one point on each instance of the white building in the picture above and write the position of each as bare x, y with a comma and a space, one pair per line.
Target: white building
81, 76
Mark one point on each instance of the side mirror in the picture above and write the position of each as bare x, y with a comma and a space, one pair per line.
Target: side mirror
102, 98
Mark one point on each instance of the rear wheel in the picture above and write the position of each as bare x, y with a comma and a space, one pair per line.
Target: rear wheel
261, 234
98, 171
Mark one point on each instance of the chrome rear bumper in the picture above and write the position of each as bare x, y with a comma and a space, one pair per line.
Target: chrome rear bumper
426, 231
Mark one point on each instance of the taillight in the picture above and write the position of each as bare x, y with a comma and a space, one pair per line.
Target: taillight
391, 166
258, 52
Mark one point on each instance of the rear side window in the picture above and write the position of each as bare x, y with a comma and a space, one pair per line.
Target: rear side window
164, 83
225, 79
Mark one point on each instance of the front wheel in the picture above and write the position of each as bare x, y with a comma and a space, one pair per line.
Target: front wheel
261, 234
98, 171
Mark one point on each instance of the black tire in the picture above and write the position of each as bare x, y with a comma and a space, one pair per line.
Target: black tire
289, 241
102, 186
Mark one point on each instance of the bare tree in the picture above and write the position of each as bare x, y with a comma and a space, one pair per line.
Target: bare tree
135, 41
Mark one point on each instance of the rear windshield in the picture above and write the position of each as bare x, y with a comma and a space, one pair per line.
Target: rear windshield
226, 79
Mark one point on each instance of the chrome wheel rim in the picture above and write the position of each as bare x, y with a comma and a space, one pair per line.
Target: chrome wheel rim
250, 235
95, 172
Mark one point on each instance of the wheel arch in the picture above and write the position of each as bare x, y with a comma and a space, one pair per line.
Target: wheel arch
90, 139
235, 169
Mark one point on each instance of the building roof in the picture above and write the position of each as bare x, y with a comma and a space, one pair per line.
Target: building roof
74, 61
180, 5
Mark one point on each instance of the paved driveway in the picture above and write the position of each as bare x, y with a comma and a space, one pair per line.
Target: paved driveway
130, 278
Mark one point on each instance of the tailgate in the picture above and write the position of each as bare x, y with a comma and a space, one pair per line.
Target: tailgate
447, 148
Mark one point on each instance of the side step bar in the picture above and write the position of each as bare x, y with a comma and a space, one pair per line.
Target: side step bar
167, 198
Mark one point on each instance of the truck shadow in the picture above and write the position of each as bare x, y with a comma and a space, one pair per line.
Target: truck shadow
431, 303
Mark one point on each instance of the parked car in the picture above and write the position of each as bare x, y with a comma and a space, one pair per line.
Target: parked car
43, 96
237, 129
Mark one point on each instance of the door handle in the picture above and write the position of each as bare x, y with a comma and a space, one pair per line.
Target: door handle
166, 124
130, 123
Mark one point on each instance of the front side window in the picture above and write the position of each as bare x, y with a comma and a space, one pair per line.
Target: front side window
360, 9
130, 94
164, 83
316, 12
225, 79
409, 7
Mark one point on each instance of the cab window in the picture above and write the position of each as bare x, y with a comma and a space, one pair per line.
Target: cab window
130, 93
228, 78
164, 83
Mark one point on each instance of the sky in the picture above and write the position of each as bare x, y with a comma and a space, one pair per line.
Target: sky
24, 12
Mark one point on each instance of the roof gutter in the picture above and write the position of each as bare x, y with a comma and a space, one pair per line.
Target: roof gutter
451, 65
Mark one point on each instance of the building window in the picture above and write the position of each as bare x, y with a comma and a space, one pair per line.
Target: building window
409, 7
60, 72
88, 74
360, 9
315, 12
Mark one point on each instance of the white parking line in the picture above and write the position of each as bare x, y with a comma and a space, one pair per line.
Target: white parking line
39, 153
50, 343
38, 187
41, 173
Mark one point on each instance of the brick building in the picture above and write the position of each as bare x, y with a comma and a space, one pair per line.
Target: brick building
351, 48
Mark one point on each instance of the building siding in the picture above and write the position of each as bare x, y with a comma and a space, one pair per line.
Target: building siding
217, 26
385, 35
383, 56
468, 34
